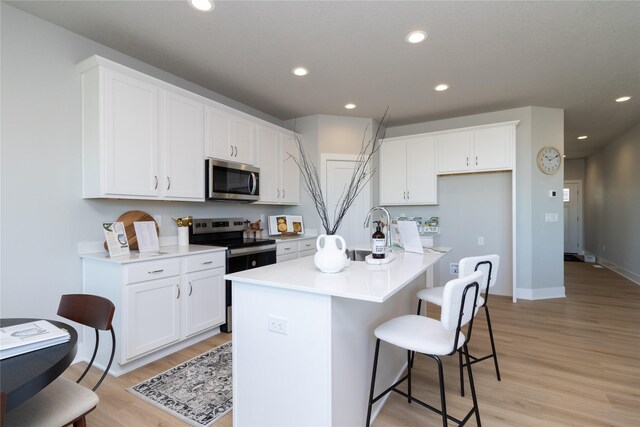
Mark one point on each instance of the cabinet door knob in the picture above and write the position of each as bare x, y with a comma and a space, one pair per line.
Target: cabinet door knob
178, 286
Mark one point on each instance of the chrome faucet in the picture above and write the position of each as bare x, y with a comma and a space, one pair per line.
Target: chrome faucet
368, 219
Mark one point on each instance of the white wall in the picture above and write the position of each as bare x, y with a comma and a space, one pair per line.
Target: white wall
574, 169
43, 217
612, 204
538, 241
326, 134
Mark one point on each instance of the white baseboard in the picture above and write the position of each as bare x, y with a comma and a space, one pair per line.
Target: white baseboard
635, 278
541, 293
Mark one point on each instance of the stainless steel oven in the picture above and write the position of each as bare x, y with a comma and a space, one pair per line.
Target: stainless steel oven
227, 181
242, 253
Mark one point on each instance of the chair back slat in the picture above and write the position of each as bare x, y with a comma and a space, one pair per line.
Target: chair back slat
453, 315
89, 310
488, 264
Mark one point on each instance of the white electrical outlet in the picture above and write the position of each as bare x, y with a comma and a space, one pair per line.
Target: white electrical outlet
158, 219
480, 241
277, 324
453, 268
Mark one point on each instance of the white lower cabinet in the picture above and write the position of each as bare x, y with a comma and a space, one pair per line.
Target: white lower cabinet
161, 305
153, 315
294, 249
204, 287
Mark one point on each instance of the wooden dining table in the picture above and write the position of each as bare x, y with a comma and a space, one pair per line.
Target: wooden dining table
23, 376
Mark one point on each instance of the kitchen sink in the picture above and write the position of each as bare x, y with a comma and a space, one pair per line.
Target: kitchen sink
357, 254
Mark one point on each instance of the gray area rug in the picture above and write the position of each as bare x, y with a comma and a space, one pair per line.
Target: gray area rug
198, 391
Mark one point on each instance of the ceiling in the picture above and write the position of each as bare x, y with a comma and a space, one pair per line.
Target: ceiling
578, 56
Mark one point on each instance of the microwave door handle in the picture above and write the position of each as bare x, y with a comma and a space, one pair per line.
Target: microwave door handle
253, 184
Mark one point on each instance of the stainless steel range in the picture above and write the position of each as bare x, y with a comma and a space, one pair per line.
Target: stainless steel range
242, 253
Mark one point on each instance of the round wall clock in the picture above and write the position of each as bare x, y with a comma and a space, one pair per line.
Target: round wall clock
549, 160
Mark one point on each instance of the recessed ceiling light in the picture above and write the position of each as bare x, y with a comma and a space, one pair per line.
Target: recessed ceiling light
416, 37
564, 156
623, 99
202, 5
583, 137
350, 106
441, 87
300, 71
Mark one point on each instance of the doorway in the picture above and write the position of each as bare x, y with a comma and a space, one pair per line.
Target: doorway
572, 198
336, 172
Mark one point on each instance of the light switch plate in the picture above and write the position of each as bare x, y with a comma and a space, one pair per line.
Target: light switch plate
551, 217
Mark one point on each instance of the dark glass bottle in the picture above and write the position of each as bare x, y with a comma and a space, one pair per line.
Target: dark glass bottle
378, 243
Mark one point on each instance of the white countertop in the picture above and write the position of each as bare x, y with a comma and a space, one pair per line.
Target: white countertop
165, 252
359, 281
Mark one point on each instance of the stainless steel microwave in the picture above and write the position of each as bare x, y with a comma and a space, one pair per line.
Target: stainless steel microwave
231, 182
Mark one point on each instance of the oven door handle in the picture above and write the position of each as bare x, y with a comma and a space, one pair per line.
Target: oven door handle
233, 253
253, 184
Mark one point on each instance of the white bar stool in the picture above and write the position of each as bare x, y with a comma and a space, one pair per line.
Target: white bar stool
433, 338
488, 264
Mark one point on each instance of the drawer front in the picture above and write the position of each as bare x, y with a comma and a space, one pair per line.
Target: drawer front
205, 261
287, 248
152, 270
308, 245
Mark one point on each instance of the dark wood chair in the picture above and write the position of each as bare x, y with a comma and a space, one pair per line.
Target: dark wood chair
65, 402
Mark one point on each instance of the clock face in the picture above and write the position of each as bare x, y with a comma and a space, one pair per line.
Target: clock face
549, 160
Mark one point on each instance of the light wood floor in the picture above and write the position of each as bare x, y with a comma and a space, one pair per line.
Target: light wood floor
564, 362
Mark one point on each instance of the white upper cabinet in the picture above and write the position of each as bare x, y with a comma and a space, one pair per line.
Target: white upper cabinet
140, 140
279, 174
129, 143
229, 136
183, 148
408, 171
482, 149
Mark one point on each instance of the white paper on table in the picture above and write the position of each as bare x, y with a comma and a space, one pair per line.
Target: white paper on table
410, 237
147, 236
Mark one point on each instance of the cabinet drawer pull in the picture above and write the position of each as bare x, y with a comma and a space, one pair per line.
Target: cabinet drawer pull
287, 249
408, 197
168, 183
476, 160
206, 262
178, 286
283, 194
156, 271
231, 147
190, 288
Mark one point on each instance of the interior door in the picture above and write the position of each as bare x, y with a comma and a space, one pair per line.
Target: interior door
339, 174
572, 218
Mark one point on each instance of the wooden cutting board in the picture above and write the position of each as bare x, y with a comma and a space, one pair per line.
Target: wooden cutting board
127, 219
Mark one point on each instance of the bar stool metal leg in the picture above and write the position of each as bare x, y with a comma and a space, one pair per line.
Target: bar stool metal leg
493, 346
442, 397
472, 385
461, 365
373, 381
409, 366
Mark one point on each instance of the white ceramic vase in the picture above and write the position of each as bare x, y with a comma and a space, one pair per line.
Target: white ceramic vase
330, 258
183, 236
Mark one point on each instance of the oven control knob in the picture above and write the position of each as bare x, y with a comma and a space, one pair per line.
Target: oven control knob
253, 263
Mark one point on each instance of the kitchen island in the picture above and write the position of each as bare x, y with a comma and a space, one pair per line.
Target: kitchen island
303, 340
